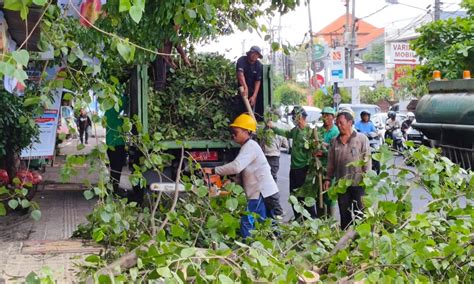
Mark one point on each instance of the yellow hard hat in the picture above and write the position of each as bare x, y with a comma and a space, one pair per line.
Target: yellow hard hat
246, 122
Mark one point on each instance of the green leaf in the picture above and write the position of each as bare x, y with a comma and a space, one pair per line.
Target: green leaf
14, 5
126, 50
363, 229
187, 252
88, 194
93, 258
13, 203
31, 101
224, 279
21, 57
177, 231
32, 278
164, 271
136, 13
275, 46
3, 210
22, 119
80, 147
36, 214
25, 203
191, 13
20, 75
232, 204
106, 217
124, 5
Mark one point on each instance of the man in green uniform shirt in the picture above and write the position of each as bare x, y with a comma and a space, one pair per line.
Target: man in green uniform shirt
327, 132
300, 154
116, 145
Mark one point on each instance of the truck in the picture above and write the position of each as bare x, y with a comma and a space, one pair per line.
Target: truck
209, 153
446, 117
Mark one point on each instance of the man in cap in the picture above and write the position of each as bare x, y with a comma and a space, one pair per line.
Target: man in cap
300, 155
328, 132
348, 147
249, 74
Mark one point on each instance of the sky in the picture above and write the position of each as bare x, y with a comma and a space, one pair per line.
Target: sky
295, 24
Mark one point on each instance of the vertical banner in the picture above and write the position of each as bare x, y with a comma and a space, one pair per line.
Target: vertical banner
337, 56
47, 124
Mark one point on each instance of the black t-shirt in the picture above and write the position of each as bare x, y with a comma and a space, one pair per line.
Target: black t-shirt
252, 72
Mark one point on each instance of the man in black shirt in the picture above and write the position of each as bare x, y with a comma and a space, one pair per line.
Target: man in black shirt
249, 74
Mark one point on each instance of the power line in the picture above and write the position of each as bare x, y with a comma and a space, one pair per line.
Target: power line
371, 14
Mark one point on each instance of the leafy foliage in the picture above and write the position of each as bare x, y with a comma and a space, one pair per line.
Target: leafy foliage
447, 46
321, 99
290, 93
199, 242
369, 96
376, 53
197, 100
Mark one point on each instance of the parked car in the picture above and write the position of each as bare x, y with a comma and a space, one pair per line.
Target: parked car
358, 108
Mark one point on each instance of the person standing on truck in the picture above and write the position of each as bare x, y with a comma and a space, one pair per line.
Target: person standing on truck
83, 122
260, 188
348, 147
328, 132
249, 76
300, 155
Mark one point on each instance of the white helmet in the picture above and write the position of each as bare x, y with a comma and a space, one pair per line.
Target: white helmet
410, 115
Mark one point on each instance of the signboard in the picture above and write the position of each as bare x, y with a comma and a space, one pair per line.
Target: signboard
47, 124
401, 70
336, 57
317, 66
402, 54
317, 81
319, 51
337, 98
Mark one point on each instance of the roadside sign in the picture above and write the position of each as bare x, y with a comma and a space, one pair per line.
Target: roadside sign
317, 66
317, 81
401, 71
403, 54
47, 124
336, 57
337, 98
319, 51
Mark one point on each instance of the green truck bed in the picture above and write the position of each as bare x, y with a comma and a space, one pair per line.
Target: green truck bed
201, 144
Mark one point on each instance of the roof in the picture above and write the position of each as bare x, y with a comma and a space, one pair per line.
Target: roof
366, 33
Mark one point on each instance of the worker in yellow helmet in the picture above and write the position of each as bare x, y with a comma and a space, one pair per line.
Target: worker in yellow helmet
260, 188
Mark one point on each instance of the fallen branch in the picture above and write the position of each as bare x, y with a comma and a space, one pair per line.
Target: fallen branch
130, 259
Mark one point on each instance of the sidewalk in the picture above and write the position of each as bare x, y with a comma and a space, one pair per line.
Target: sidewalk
26, 245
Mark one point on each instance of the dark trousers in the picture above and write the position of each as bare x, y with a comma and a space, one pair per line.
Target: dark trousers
297, 179
350, 203
273, 206
82, 132
274, 162
117, 160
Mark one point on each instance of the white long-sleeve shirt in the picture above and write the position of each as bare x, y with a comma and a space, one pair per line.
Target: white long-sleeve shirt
256, 176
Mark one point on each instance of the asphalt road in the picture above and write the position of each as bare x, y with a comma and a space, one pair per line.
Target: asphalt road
419, 197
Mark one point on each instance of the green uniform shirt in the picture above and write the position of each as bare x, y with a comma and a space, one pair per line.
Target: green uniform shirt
113, 135
300, 156
327, 136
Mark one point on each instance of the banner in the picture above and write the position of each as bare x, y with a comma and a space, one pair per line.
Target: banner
47, 124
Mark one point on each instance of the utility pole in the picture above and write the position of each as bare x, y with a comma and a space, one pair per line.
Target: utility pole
437, 10
311, 47
346, 40
353, 40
